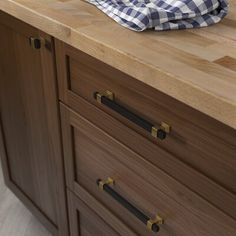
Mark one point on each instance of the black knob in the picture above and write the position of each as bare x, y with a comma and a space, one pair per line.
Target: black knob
161, 134
35, 43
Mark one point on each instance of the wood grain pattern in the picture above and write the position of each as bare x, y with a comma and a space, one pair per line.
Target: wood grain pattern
85, 221
100, 156
100, 210
178, 63
228, 62
196, 139
185, 174
31, 146
15, 219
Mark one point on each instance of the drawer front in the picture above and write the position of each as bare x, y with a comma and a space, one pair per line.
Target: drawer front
185, 174
195, 139
90, 219
92, 155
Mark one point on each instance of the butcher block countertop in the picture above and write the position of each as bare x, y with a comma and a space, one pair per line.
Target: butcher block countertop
197, 67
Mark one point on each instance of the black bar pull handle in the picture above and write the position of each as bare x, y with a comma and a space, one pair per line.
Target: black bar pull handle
108, 99
151, 224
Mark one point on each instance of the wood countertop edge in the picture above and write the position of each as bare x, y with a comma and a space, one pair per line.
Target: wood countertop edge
194, 96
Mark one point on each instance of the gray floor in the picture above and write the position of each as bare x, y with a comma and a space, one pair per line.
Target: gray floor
15, 219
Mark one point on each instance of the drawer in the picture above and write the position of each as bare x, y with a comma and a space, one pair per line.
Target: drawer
195, 139
164, 160
92, 156
89, 218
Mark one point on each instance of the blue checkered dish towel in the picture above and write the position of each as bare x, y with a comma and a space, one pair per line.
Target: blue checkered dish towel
139, 15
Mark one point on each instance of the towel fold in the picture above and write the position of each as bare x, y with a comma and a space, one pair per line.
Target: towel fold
140, 15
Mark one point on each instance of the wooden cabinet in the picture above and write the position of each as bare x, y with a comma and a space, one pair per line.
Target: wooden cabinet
91, 154
200, 148
85, 221
30, 135
173, 167
185, 177
195, 139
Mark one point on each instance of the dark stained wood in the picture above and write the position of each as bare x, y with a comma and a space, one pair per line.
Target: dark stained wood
18, 192
31, 149
103, 212
88, 219
189, 179
185, 174
91, 154
200, 142
197, 140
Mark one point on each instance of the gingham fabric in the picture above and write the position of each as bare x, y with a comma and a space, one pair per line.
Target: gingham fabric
139, 15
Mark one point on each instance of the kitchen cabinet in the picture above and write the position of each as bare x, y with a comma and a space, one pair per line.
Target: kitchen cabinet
101, 136
104, 116
138, 191
85, 221
30, 135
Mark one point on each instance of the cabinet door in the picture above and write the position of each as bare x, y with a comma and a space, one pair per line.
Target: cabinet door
30, 140
85, 222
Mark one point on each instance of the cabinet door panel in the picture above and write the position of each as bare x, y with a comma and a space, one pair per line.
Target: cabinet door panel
86, 222
29, 120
